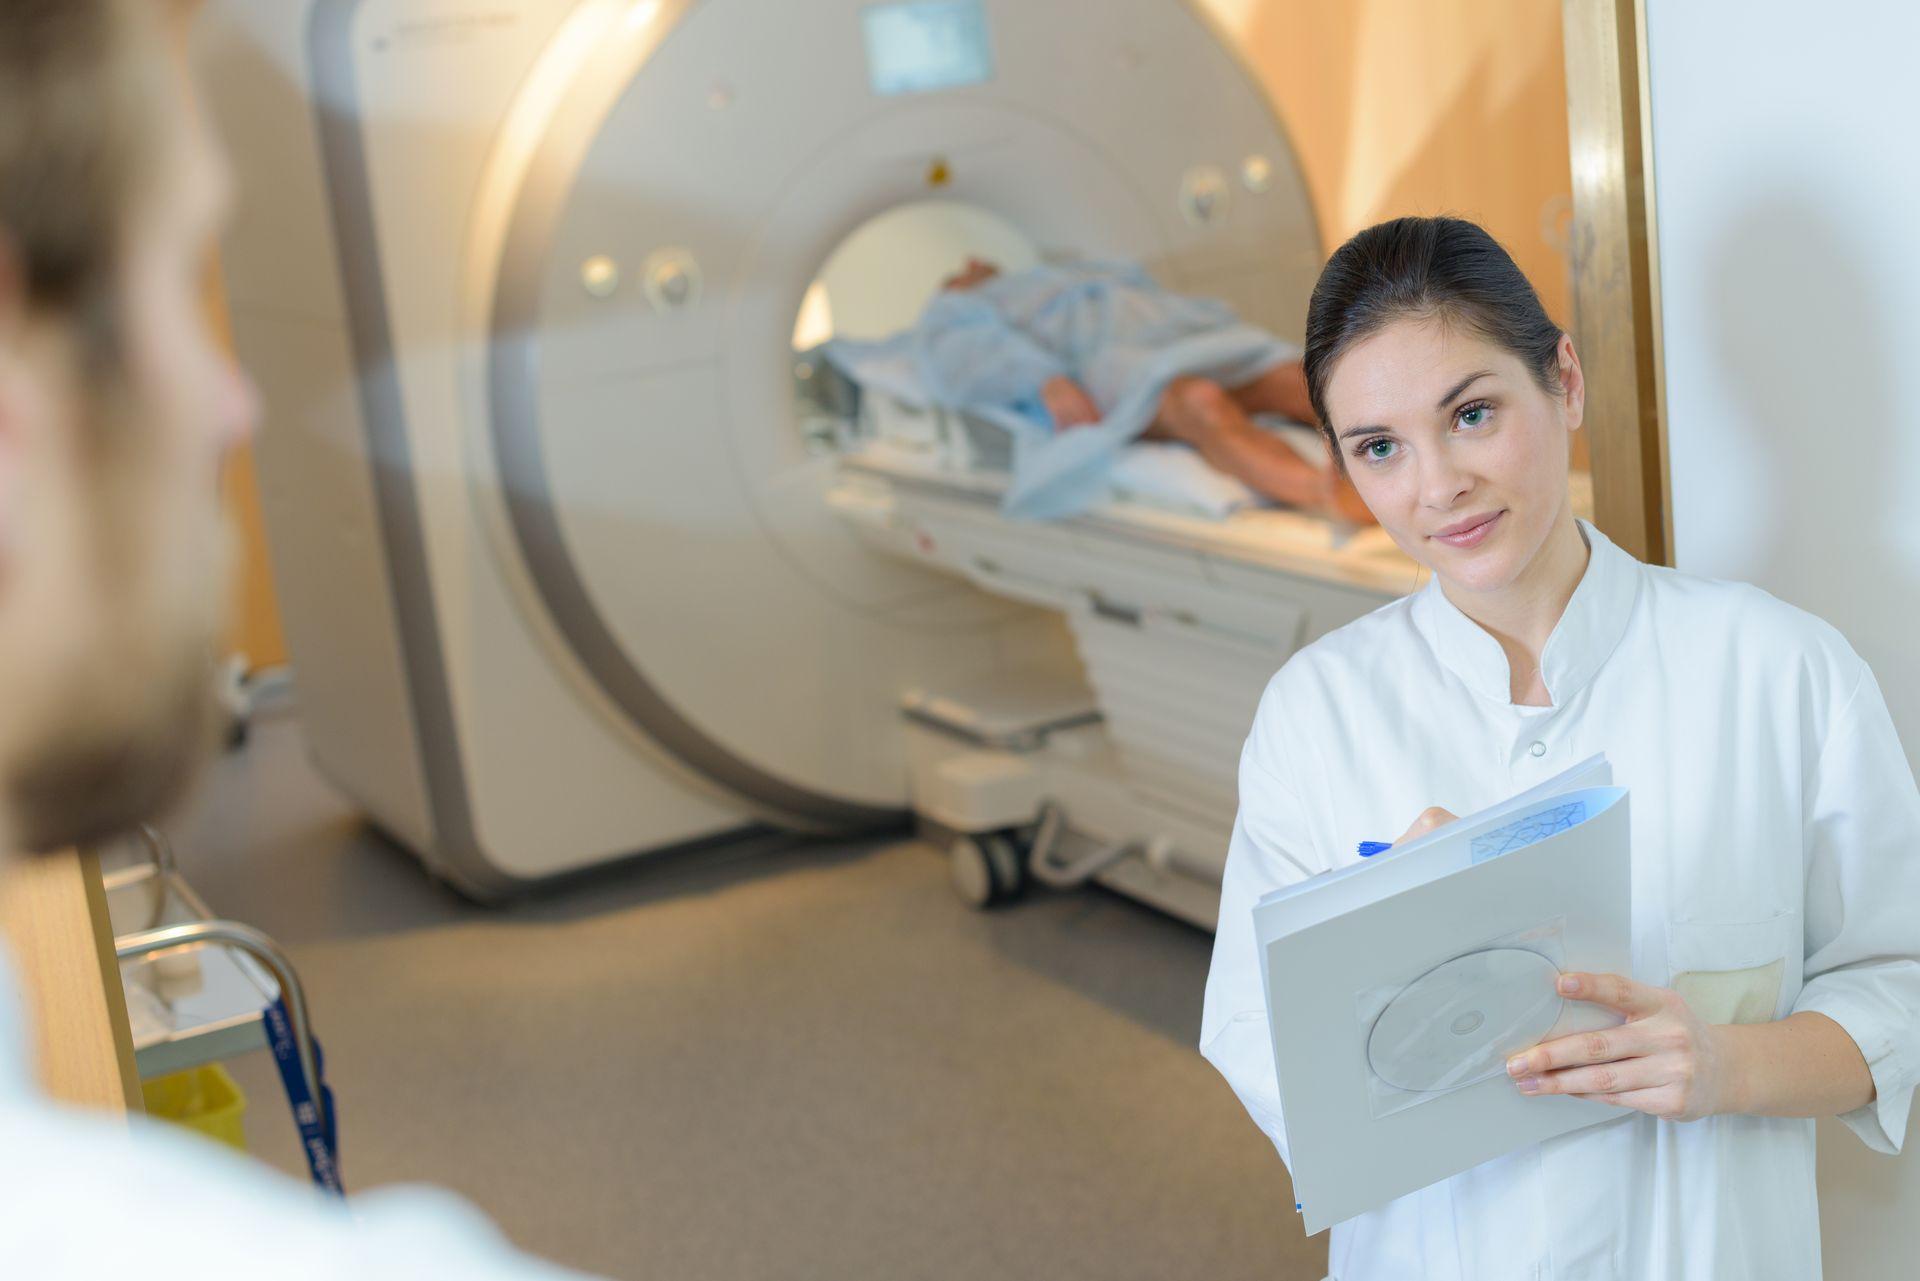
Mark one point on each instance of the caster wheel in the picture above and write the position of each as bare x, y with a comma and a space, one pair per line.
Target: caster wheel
985, 869
1009, 859
231, 690
972, 872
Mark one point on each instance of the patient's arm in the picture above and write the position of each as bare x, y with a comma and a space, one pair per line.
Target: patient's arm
1068, 403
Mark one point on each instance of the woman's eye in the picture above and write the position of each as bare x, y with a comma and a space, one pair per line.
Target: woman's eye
1473, 415
1377, 450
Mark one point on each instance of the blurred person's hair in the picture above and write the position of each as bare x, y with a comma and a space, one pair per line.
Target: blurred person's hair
79, 91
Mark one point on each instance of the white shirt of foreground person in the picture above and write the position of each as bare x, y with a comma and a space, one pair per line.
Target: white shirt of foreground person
1776, 868
86, 1197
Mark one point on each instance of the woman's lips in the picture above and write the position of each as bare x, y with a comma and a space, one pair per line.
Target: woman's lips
1472, 537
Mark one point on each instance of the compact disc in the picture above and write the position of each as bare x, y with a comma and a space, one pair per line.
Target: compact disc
1458, 1022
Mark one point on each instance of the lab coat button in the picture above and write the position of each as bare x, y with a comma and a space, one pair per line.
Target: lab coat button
1538, 748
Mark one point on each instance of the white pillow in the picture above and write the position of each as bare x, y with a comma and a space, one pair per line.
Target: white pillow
1177, 479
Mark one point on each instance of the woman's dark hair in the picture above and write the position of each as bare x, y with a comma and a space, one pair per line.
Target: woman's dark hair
1448, 269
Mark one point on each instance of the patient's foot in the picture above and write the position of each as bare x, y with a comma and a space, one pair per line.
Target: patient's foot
1068, 403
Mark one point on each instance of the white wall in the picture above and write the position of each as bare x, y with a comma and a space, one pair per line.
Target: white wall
1786, 178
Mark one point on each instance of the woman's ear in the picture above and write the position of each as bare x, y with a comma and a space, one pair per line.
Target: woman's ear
1573, 385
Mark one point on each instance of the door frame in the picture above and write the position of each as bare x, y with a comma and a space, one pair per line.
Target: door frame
1616, 273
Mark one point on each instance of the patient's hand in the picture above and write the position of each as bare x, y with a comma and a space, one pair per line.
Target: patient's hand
1068, 403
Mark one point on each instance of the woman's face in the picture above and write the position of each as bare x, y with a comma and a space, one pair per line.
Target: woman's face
1455, 447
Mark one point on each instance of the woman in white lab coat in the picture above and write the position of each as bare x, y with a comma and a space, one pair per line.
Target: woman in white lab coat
1775, 821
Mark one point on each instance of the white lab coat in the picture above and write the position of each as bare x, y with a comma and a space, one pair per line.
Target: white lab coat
1776, 868
84, 1197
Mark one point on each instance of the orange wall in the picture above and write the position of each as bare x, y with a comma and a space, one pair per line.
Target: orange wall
1421, 107
253, 628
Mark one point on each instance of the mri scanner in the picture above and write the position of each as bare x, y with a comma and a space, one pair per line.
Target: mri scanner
565, 573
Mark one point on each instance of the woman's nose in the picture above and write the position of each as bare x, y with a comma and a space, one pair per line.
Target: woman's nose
1442, 484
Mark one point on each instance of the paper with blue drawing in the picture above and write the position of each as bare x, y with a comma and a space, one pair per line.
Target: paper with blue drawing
1397, 987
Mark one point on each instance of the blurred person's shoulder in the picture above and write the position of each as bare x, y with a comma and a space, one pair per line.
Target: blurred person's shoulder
85, 1196
88, 1195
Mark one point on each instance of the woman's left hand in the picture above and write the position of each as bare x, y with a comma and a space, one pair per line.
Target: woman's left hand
1664, 1060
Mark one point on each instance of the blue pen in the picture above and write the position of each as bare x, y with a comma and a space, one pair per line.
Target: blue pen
1369, 848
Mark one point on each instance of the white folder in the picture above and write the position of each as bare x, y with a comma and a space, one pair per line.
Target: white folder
1398, 987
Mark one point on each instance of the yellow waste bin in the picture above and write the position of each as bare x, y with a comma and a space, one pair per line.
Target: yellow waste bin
205, 1099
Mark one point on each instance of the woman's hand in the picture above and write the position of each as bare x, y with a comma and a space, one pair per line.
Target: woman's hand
1428, 820
1663, 1060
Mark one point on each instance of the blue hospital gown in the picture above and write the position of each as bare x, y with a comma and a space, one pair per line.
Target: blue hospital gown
1108, 326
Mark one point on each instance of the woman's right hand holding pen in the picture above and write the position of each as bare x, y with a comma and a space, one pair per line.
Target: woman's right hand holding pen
1428, 820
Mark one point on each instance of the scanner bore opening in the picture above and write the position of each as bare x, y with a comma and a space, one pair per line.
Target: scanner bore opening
874, 283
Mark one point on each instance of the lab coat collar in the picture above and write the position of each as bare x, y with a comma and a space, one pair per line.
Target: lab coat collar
1586, 635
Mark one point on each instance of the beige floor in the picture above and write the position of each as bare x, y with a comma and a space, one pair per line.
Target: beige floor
792, 1062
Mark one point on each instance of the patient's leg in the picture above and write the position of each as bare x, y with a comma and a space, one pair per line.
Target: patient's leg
1204, 415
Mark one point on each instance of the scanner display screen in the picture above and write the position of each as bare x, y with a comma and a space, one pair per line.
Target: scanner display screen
917, 46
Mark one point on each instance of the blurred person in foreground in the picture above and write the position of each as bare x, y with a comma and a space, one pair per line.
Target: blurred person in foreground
117, 405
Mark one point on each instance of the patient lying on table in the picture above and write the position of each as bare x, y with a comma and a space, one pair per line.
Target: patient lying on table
1085, 345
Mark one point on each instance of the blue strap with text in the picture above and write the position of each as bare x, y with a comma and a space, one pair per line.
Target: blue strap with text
319, 1138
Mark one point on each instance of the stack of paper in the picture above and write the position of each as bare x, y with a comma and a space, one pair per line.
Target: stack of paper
1398, 987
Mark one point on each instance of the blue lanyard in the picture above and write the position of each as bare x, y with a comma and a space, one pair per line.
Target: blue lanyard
319, 1138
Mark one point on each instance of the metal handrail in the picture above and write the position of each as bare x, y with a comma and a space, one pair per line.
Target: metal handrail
159, 866
1066, 876
193, 935
1161, 854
